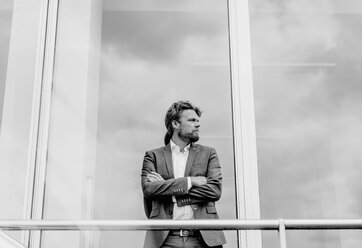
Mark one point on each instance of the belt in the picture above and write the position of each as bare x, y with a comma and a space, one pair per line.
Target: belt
184, 233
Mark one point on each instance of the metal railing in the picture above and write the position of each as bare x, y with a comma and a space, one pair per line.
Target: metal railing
280, 225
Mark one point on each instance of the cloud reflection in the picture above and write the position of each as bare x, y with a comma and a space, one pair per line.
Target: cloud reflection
149, 60
308, 110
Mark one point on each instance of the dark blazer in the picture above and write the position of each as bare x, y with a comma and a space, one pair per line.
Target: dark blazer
202, 161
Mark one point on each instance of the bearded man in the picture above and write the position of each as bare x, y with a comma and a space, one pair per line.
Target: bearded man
182, 181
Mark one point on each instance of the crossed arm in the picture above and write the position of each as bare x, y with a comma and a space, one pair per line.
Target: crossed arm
195, 181
203, 188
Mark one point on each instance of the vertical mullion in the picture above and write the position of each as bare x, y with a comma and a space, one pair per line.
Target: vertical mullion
282, 234
247, 187
43, 119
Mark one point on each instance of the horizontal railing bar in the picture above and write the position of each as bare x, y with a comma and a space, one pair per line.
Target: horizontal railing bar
98, 225
323, 224
138, 224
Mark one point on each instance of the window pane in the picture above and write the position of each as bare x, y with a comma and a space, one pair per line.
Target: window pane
119, 66
19, 38
308, 111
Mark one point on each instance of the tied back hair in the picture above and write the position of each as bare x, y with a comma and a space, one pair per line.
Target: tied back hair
174, 114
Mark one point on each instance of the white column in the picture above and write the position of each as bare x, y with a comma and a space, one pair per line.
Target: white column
68, 155
24, 69
244, 120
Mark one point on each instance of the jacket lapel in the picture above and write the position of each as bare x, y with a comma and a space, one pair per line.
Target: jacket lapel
168, 157
190, 160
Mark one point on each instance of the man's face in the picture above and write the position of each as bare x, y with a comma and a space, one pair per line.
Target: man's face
188, 126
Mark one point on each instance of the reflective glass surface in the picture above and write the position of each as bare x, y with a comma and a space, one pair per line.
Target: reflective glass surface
307, 83
119, 65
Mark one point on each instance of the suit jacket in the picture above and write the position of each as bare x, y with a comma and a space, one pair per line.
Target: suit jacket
202, 161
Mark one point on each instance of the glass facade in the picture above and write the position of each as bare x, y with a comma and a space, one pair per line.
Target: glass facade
109, 100
307, 82
118, 66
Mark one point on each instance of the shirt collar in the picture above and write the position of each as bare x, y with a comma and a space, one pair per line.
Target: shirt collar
175, 147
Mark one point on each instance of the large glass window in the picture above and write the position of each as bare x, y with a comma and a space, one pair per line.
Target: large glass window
307, 77
118, 66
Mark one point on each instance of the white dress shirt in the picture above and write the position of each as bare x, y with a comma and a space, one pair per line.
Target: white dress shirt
179, 159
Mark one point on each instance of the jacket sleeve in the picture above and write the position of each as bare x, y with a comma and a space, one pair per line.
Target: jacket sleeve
160, 189
209, 192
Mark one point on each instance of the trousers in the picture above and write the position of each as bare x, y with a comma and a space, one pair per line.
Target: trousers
184, 242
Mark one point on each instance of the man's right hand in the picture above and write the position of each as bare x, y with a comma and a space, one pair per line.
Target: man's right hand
198, 181
154, 177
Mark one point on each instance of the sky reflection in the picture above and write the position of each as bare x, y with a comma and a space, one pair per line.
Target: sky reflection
149, 60
307, 84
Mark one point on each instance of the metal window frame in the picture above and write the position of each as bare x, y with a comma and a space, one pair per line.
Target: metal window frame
246, 168
31, 207
34, 202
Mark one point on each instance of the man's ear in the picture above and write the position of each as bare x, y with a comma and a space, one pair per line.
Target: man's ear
175, 124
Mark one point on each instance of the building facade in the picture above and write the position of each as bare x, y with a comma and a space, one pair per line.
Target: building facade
84, 86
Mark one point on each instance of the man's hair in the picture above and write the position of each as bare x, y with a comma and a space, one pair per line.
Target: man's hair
174, 113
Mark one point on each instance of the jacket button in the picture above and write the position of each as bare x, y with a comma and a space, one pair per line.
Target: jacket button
170, 212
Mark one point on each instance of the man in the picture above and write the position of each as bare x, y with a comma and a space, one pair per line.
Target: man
182, 181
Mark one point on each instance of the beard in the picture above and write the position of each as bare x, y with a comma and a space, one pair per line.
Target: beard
189, 137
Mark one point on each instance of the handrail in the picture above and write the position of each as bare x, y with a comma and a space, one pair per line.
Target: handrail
120, 225
103, 225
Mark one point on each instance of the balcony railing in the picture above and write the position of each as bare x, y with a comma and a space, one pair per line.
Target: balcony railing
280, 225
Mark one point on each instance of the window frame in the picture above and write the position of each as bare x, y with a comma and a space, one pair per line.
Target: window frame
41, 116
246, 168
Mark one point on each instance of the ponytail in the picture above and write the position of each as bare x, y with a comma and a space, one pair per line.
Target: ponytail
167, 138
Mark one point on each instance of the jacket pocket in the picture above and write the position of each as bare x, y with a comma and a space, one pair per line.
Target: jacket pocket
155, 212
210, 209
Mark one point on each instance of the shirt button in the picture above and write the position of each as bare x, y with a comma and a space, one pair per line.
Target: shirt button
170, 212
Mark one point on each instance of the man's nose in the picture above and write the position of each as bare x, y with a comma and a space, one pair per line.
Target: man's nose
197, 124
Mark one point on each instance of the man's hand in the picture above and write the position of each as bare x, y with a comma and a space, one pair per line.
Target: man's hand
154, 177
198, 181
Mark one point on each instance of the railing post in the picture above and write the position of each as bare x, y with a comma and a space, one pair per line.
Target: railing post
282, 234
